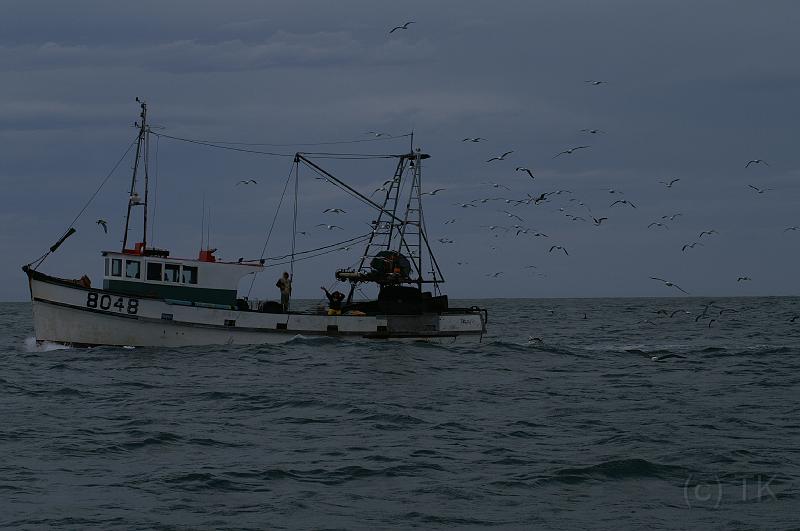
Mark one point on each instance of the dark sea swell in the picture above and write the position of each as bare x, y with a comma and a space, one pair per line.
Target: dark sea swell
571, 414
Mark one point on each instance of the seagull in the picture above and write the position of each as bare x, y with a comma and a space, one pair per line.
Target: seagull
494, 275
103, 223
559, 248
571, 150
464, 205
509, 214
598, 221
670, 284
404, 26
709, 232
756, 161
335, 211
449, 221
498, 185
613, 191
329, 227
445, 240
740, 279
248, 181
690, 245
657, 224
759, 190
542, 197
434, 191
791, 228
501, 157
624, 202
592, 131
595, 82
526, 170
304, 233
473, 139
672, 217
669, 184
376, 134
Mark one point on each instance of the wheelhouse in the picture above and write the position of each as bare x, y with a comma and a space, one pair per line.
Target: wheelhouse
155, 274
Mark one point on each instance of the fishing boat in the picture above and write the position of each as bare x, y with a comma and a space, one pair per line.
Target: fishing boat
151, 298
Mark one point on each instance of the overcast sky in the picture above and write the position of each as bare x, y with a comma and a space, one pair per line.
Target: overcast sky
694, 90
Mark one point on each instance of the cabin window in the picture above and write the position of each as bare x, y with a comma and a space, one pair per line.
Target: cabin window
116, 267
154, 271
108, 266
189, 275
171, 272
133, 269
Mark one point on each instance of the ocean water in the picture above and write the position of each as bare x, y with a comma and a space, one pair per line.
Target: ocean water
619, 416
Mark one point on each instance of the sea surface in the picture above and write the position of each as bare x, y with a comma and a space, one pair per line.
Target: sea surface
570, 414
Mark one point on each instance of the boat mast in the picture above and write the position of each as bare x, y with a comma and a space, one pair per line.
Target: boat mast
133, 197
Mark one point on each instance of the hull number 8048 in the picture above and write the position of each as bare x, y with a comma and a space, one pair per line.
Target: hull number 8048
106, 302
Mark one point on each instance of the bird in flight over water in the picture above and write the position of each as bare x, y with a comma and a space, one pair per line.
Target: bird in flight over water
559, 248
623, 202
501, 157
104, 224
759, 190
473, 139
403, 26
669, 184
595, 82
670, 284
570, 151
526, 170
335, 211
756, 161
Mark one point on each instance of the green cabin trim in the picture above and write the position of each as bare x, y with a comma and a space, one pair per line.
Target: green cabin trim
223, 297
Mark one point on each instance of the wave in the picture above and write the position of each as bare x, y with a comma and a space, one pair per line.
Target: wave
619, 470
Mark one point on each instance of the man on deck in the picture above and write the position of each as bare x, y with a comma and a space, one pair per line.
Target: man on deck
285, 285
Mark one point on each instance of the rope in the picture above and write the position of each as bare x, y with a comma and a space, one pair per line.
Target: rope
39, 261
379, 139
272, 226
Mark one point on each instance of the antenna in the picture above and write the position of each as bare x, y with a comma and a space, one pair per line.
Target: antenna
203, 222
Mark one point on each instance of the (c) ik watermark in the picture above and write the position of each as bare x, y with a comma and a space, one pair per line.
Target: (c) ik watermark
711, 494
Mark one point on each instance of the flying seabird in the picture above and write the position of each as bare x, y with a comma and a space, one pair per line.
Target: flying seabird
445, 240
498, 185
691, 246
709, 232
329, 227
509, 214
434, 191
464, 205
494, 275
473, 139
526, 170
595, 82
335, 211
592, 131
670, 284
669, 184
791, 228
570, 151
624, 202
449, 221
559, 248
672, 217
598, 221
103, 223
657, 224
501, 157
404, 26
740, 279
248, 181
759, 190
756, 161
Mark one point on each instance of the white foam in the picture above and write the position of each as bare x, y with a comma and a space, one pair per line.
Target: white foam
31, 345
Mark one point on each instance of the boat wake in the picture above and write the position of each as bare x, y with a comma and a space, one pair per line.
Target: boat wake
31, 345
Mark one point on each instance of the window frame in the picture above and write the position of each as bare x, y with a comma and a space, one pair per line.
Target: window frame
159, 275
172, 267
138, 269
193, 270
118, 263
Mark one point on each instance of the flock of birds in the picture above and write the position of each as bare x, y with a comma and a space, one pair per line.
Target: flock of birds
516, 223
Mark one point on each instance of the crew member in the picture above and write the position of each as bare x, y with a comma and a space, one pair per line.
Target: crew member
285, 285
335, 301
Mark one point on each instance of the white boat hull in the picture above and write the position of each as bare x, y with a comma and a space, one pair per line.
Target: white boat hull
71, 314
